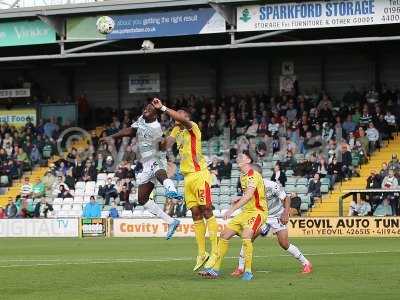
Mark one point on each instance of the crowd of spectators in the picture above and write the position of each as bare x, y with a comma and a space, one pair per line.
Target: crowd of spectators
309, 134
380, 204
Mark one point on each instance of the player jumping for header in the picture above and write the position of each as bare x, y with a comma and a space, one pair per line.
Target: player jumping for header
149, 134
197, 181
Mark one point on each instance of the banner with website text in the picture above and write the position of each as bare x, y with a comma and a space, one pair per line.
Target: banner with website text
302, 15
298, 227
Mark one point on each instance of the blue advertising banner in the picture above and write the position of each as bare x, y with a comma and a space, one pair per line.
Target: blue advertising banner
318, 14
174, 23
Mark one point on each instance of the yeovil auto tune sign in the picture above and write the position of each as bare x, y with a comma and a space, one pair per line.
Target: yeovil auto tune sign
320, 14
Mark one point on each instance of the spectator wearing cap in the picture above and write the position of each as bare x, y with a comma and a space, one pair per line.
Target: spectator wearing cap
109, 165
92, 209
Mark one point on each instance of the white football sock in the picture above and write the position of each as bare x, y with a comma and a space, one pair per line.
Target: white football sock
169, 185
241, 259
297, 254
152, 207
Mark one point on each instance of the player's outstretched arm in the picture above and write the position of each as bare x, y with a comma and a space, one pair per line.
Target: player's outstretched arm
172, 113
129, 131
247, 195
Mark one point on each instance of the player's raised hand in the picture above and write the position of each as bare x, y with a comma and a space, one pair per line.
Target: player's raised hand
157, 103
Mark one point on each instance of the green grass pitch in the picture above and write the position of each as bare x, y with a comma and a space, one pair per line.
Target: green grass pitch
150, 268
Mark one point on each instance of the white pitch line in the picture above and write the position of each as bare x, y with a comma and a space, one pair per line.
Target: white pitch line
43, 262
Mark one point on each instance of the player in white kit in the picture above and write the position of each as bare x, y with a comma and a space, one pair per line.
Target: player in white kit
278, 216
150, 139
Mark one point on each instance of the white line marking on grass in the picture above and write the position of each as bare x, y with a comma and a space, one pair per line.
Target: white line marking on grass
48, 262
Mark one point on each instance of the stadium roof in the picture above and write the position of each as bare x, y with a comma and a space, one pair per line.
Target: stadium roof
32, 8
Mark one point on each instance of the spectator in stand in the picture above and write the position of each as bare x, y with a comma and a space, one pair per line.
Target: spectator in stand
11, 208
394, 164
295, 203
129, 155
314, 189
62, 169
390, 182
348, 125
2, 213
69, 179
108, 191
322, 167
365, 118
390, 119
360, 208
92, 209
50, 128
89, 172
99, 163
346, 161
373, 137
224, 169
251, 131
23, 160
278, 175
109, 165
42, 209
384, 209
63, 192
39, 189
113, 212
34, 155
212, 128
334, 172
26, 188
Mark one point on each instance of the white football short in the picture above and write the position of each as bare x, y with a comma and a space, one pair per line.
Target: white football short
148, 172
272, 225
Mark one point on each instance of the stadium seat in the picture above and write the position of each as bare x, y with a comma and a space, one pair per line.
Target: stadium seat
225, 182
102, 176
78, 200
104, 214
304, 206
66, 207
68, 200
135, 213
126, 214
301, 189
79, 192
325, 188
302, 181
289, 172
160, 190
100, 182
189, 214
76, 207
57, 207
57, 201
225, 190
224, 199
86, 199
290, 188
80, 185
90, 191
291, 181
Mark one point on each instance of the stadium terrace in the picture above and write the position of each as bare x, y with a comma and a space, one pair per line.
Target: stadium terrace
316, 10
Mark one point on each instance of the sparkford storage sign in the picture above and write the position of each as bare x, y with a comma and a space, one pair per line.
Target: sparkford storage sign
317, 14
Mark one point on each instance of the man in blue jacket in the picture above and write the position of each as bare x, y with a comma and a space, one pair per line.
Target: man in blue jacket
92, 209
